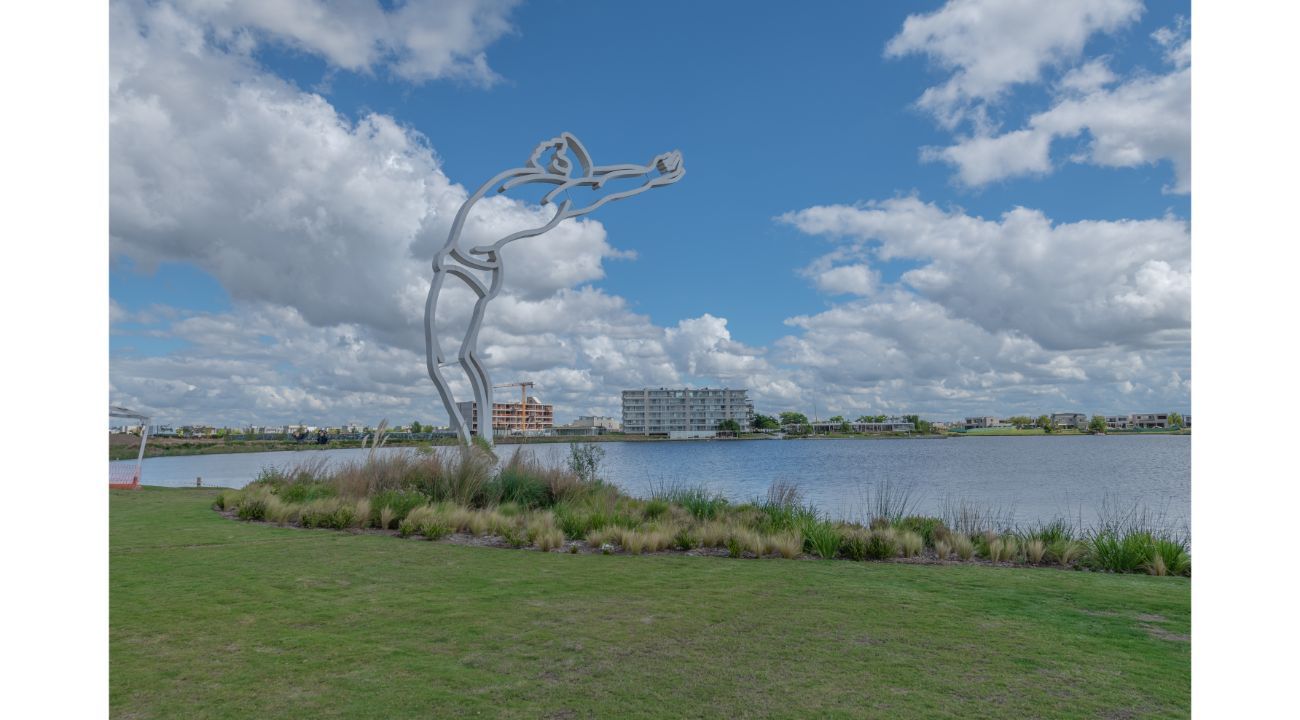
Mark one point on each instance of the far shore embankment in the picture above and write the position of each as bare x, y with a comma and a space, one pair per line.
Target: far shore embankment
127, 447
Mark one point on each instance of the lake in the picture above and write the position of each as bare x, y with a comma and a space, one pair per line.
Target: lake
1032, 479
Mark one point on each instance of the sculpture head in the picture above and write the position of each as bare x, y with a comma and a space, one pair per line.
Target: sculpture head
580, 185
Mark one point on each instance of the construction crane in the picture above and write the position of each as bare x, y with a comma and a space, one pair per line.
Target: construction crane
523, 402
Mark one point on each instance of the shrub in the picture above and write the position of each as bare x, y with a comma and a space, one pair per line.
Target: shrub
386, 518
910, 543
734, 547
322, 513
514, 536
252, 508
653, 509
929, 528
397, 502
962, 546
823, 539
684, 539
882, 544
362, 513
585, 459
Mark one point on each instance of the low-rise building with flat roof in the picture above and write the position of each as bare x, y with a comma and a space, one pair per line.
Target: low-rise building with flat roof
1070, 420
1150, 421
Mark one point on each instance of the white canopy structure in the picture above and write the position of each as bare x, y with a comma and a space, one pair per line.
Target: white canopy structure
121, 479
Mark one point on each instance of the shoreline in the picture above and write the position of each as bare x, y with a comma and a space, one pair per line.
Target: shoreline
169, 447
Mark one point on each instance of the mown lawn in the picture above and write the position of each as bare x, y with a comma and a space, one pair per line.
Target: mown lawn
212, 618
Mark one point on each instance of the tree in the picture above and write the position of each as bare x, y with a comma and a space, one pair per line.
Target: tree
1175, 420
836, 419
1045, 422
1021, 421
845, 428
765, 422
417, 427
729, 425
793, 418
1097, 424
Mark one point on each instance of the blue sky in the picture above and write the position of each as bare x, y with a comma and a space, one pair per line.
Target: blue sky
777, 110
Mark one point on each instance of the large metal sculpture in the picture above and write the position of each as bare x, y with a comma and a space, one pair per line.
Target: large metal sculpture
564, 163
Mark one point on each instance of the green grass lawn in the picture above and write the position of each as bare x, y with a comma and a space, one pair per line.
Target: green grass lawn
216, 618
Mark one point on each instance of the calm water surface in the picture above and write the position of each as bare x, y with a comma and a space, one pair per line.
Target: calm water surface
1032, 478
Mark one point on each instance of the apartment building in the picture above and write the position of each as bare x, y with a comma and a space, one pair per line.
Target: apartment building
684, 412
976, 423
512, 418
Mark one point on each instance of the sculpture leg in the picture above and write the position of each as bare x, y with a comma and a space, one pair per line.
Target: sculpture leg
478, 379
434, 361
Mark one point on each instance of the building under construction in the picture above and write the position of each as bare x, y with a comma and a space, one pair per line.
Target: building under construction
512, 418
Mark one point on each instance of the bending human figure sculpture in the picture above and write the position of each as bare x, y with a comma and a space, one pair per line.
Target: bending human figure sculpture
563, 162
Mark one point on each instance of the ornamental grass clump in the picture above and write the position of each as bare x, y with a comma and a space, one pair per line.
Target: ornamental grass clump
282, 512
1002, 549
742, 540
604, 536
1035, 550
420, 518
1172, 555
822, 539
942, 549
1068, 552
787, 544
550, 539
910, 543
1108, 550
962, 546
713, 534
882, 544
853, 543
